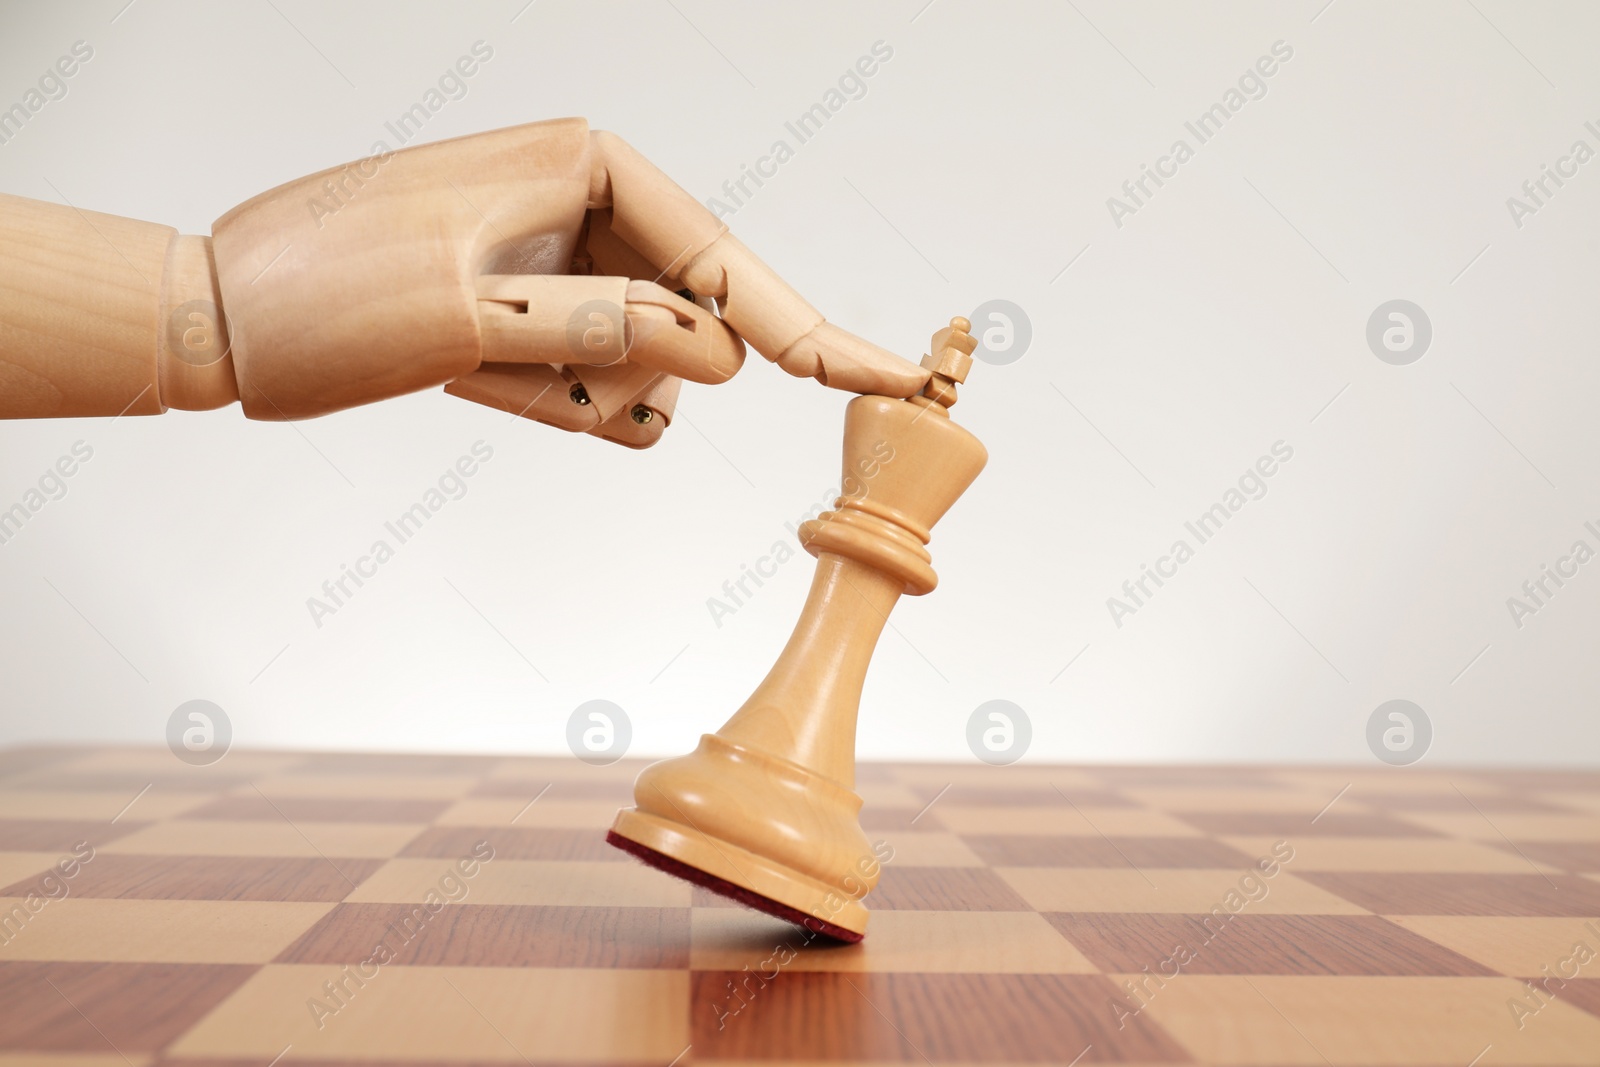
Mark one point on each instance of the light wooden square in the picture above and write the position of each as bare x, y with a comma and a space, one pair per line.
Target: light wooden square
123, 805
15, 866
1359, 1020
454, 1014
1518, 946
161, 931
913, 849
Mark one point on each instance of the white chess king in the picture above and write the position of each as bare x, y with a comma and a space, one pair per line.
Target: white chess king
764, 810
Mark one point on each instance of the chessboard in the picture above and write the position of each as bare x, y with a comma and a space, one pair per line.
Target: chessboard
282, 908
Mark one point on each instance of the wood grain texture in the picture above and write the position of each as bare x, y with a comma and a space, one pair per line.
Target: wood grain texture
216, 878
995, 941
945, 889
1579, 857
80, 311
1333, 824
1259, 944
499, 935
513, 843
896, 1018
525, 788
320, 809
59, 835
1460, 893
93, 1007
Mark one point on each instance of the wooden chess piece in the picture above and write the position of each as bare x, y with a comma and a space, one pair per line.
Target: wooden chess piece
763, 811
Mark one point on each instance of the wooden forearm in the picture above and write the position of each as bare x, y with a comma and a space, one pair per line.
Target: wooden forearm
101, 315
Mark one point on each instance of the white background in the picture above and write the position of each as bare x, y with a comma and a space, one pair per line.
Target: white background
1222, 317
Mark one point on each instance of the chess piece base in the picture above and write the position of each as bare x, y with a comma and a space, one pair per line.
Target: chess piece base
758, 828
696, 871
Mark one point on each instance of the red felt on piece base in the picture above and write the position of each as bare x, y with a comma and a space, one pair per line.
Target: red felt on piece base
723, 887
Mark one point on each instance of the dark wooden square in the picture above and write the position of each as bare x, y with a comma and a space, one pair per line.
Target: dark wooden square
917, 1018
1256, 944
497, 935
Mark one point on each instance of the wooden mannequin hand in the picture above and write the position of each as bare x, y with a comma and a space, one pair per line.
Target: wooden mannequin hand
544, 269
640, 225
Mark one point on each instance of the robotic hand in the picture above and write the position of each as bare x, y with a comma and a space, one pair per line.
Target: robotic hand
547, 270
